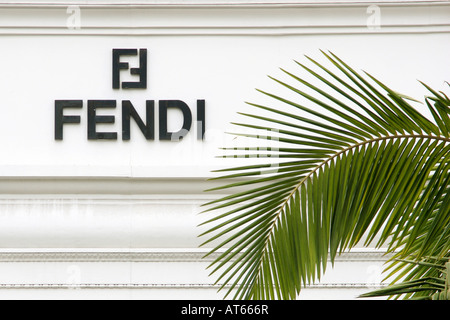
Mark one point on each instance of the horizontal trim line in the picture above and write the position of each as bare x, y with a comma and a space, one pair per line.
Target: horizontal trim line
151, 256
224, 31
215, 4
228, 27
170, 286
81, 187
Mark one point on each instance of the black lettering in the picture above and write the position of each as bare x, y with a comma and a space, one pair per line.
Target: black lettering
128, 112
93, 119
200, 119
187, 120
60, 118
141, 71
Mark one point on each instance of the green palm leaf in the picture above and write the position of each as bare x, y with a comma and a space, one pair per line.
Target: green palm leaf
354, 161
425, 279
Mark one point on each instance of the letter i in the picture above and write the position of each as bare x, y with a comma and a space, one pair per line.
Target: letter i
200, 119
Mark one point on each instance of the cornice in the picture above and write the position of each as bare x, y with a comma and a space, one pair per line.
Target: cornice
150, 19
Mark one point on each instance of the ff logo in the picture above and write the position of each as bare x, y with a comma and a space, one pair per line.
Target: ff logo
117, 65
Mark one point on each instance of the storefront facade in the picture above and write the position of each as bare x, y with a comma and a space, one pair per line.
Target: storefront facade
98, 199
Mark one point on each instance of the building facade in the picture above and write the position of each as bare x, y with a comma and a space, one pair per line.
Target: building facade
97, 199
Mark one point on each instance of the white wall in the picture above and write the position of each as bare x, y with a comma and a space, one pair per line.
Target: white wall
119, 218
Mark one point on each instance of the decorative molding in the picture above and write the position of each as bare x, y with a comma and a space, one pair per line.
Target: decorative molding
86, 187
259, 19
53, 260
151, 256
169, 286
226, 30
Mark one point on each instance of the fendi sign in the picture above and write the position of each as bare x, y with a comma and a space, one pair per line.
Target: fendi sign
146, 124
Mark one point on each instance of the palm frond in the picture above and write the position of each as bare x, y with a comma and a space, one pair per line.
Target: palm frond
354, 161
423, 279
